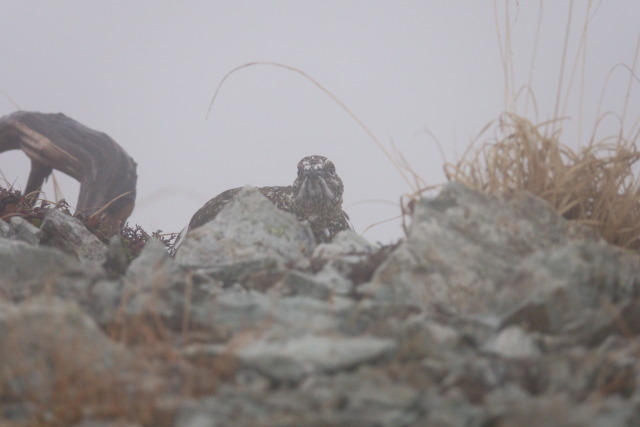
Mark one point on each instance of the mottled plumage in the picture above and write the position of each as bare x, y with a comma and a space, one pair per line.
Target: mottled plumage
315, 196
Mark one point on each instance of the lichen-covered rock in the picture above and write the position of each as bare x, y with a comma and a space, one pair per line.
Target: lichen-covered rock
346, 242
362, 398
116, 262
22, 229
325, 284
564, 283
513, 342
234, 312
249, 226
472, 253
293, 359
68, 234
6, 232
154, 285
27, 270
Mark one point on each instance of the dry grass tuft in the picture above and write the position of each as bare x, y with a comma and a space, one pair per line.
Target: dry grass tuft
595, 186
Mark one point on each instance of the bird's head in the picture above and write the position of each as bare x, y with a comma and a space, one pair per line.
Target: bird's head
317, 186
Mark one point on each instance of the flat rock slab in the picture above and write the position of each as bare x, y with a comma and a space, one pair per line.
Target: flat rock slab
291, 360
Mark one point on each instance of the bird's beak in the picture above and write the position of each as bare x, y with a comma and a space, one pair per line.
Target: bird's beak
314, 188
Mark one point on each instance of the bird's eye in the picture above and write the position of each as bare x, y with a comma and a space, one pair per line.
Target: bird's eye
331, 169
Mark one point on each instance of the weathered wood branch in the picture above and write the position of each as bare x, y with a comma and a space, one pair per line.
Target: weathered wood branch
107, 174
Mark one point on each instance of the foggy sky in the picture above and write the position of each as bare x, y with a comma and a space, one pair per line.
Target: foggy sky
144, 72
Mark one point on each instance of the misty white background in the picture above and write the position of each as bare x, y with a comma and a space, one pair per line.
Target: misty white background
144, 72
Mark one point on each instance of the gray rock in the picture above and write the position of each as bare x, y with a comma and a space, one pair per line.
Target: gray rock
52, 355
293, 359
71, 236
335, 280
25, 231
466, 252
241, 271
27, 270
452, 411
425, 338
326, 284
367, 396
45, 338
531, 313
196, 419
513, 342
152, 265
6, 232
155, 285
552, 289
346, 242
558, 409
247, 227
104, 423
348, 258
303, 284
362, 398
231, 313
104, 301
116, 263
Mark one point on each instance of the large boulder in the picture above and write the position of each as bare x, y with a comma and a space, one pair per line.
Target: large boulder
477, 254
249, 226
68, 234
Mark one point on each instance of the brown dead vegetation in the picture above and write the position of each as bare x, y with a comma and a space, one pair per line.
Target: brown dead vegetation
14, 203
595, 185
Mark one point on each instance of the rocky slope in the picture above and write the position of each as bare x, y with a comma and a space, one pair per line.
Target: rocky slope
492, 312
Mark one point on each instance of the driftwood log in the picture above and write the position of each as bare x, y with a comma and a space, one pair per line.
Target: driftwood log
106, 173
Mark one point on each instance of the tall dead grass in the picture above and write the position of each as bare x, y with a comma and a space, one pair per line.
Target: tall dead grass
595, 185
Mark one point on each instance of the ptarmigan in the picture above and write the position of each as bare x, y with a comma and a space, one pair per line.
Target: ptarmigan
315, 196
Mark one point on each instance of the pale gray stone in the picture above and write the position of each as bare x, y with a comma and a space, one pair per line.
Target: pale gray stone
346, 242
45, 336
236, 312
291, 360
6, 232
24, 230
303, 284
116, 263
68, 234
553, 288
155, 284
513, 342
229, 273
327, 283
27, 270
466, 252
247, 227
